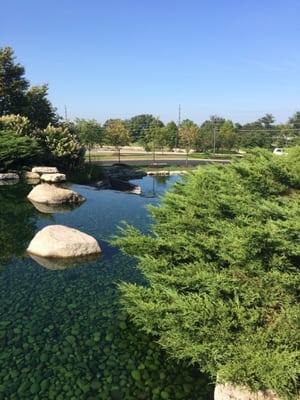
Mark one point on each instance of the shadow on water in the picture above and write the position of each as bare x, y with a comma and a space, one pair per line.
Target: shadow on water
63, 334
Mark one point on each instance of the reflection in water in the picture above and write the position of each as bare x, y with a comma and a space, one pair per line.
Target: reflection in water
54, 208
17, 221
63, 263
9, 182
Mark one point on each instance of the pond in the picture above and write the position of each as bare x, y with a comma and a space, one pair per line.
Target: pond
63, 334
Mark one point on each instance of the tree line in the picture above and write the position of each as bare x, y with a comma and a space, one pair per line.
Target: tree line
30, 127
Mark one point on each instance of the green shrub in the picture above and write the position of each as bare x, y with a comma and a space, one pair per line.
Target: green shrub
16, 123
17, 150
64, 147
222, 263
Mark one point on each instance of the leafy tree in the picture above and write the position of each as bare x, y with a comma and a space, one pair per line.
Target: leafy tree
208, 137
188, 134
222, 265
18, 150
255, 135
267, 121
38, 107
90, 132
139, 125
64, 146
13, 84
17, 98
169, 135
153, 137
117, 134
294, 121
227, 137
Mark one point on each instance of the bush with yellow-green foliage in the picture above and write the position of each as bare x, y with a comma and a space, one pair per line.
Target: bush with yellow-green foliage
18, 124
222, 264
63, 146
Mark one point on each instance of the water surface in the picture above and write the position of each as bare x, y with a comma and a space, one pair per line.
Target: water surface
62, 332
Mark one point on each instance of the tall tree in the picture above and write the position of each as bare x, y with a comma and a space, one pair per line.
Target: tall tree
188, 134
17, 98
38, 107
227, 136
117, 134
13, 83
295, 123
90, 132
139, 125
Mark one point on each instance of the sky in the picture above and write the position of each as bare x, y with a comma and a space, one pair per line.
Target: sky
119, 58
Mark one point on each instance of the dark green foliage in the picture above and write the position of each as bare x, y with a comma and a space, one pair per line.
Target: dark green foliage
17, 98
17, 150
223, 269
139, 124
13, 84
38, 107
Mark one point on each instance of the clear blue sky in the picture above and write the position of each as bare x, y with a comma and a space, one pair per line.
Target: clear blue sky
117, 58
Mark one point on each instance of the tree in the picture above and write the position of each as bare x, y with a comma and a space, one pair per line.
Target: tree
117, 134
17, 98
255, 135
169, 135
38, 107
139, 124
188, 134
267, 121
13, 84
227, 137
90, 133
208, 136
221, 264
295, 123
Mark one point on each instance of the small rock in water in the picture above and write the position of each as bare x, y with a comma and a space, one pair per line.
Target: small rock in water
58, 241
9, 176
45, 170
53, 177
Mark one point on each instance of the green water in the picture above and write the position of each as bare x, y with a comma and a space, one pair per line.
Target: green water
63, 334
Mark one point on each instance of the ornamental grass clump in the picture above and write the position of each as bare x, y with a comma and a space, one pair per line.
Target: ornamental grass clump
222, 264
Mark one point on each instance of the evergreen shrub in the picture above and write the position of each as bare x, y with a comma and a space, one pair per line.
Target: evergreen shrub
222, 264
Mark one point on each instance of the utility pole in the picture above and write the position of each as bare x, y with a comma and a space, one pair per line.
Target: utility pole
179, 123
66, 114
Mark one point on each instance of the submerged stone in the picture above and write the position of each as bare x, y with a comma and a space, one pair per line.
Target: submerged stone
58, 241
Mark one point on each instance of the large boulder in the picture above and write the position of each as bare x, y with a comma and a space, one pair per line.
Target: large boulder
231, 392
9, 176
53, 178
58, 241
45, 170
50, 194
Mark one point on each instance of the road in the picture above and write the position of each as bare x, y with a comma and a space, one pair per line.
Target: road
149, 162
